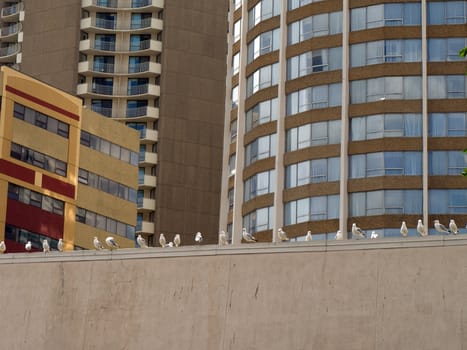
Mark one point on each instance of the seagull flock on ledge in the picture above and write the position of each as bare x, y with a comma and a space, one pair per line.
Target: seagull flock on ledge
357, 233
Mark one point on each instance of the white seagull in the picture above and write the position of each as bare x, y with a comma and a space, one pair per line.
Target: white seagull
141, 242
177, 240
45, 246
339, 236
421, 229
223, 238
110, 241
97, 244
198, 237
309, 237
440, 228
453, 227
357, 232
28, 246
2, 247
248, 237
404, 230
169, 245
60, 245
162, 240
282, 235
374, 235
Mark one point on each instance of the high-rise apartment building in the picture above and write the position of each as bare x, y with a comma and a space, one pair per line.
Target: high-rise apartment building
157, 66
65, 172
342, 112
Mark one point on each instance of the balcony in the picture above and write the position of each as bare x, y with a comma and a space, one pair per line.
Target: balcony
105, 111
146, 227
147, 158
10, 33
8, 54
122, 4
145, 69
147, 181
87, 45
148, 136
143, 89
146, 45
11, 13
93, 24
146, 204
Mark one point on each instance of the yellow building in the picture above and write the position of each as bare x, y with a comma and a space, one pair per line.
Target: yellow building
65, 171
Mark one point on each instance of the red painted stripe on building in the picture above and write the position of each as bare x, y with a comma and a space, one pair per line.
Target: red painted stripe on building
17, 171
34, 219
42, 102
58, 186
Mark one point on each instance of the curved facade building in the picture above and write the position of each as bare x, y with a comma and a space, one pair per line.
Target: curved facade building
342, 112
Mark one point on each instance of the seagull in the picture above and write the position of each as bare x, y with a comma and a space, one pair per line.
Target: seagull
198, 237
453, 227
374, 235
177, 240
421, 229
223, 238
2, 247
60, 245
110, 241
404, 230
45, 246
282, 235
441, 228
308, 237
248, 237
141, 242
162, 240
97, 244
28, 246
169, 245
357, 232
339, 236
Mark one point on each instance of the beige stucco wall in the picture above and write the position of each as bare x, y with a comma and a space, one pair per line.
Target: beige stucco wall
388, 294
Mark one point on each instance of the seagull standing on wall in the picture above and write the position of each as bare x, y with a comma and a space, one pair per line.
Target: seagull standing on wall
339, 236
282, 235
198, 237
223, 238
177, 240
440, 228
309, 237
248, 237
110, 241
141, 242
404, 230
2, 247
162, 240
45, 246
28, 246
421, 229
374, 235
357, 232
453, 227
97, 244
60, 245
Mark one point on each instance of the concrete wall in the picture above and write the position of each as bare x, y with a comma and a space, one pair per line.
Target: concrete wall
382, 294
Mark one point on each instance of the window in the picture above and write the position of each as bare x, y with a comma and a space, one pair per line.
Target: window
385, 164
391, 88
259, 184
311, 209
394, 14
314, 61
235, 97
233, 130
237, 4
262, 147
385, 202
447, 124
38, 159
35, 199
262, 78
41, 120
259, 220
314, 26
293, 4
446, 86
386, 125
263, 44
452, 201
314, 97
445, 49
263, 10
261, 113
314, 134
384, 51
237, 30
232, 159
447, 12
446, 162
236, 63
312, 171
105, 223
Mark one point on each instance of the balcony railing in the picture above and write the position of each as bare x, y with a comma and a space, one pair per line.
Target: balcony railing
105, 23
136, 112
102, 89
106, 111
114, 4
103, 67
111, 24
9, 50
138, 89
144, 23
11, 10
138, 68
104, 45
13, 29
